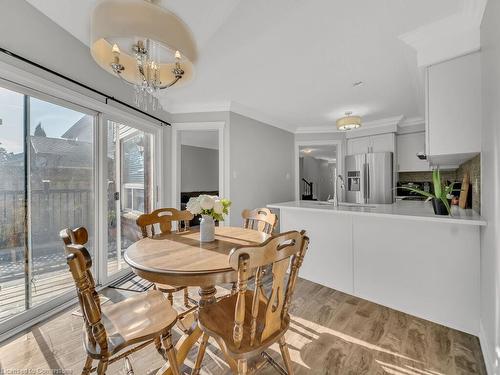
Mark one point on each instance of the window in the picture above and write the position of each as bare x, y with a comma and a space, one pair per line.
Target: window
46, 184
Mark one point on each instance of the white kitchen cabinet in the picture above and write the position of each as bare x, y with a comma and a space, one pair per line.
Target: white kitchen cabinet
374, 143
383, 142
395, 260
454, 110
329, 256
408, 146
358, 145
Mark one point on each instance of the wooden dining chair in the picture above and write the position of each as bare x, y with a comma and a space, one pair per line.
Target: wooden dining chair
261, 219
247, 323
162, 219
114, 331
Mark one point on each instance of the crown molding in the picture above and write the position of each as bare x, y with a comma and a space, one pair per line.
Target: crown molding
450, 37
259, 116
389, 123
412, 121
412, 125
229, 106
222, 106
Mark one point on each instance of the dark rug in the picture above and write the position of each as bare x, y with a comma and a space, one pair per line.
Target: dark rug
132, 283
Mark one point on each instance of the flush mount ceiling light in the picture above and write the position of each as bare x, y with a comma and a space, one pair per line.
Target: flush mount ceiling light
144, 45
348, 122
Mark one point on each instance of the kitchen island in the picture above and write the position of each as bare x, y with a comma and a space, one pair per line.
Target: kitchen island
399, 255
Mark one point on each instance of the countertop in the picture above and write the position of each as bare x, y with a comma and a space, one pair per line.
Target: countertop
402, 209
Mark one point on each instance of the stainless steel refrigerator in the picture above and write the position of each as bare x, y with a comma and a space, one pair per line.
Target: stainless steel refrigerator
369, 178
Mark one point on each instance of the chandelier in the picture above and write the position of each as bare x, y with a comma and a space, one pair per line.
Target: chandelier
144, 45
348, 122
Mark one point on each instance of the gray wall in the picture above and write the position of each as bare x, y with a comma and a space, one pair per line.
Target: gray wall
199, 169
490, 197
30, 34
261, 165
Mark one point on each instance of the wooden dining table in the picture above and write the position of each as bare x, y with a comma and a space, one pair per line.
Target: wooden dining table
180, 259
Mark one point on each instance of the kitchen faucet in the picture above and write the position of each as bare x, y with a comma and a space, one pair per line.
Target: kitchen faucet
335, 193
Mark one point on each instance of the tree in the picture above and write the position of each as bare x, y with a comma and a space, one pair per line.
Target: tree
39, 132
4, 154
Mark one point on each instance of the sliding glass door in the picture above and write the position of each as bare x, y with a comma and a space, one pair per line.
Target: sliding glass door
13, 191
65, 166
46, 184
130, 193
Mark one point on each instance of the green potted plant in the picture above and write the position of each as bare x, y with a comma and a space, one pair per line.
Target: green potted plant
442, 193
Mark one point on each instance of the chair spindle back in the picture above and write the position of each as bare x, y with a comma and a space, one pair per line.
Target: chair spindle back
80, 264
283, 251
163, 217
261, 219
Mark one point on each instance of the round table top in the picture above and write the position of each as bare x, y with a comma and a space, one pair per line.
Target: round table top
179, 258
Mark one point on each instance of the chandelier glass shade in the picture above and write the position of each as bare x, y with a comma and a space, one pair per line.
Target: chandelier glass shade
144, 45
349, 122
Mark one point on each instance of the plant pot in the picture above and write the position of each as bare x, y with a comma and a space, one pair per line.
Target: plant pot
439, 207
207, 228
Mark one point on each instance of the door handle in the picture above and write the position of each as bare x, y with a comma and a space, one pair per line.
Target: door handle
367, 182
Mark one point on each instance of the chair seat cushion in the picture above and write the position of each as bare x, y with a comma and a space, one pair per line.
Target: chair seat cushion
218, 320
134, 320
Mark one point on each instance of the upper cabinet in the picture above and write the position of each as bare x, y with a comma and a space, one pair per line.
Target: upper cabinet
453, 110
359, 145
409, 145
373, 143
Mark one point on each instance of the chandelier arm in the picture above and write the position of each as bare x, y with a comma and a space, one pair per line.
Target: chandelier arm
161, 87
124, 80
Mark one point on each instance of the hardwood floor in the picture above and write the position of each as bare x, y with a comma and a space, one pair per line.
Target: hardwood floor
331, 333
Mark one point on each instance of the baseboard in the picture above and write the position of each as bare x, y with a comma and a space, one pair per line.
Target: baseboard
485, 348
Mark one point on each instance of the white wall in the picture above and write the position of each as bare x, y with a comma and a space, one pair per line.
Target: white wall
199, 169
261, 165
490, 199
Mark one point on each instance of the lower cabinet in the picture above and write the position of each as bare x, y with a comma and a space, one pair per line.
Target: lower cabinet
397, 262
329, 258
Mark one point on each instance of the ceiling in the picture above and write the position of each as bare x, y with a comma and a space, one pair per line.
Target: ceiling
294, 61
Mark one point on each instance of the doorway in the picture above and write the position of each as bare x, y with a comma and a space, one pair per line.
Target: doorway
317, 166
199, 161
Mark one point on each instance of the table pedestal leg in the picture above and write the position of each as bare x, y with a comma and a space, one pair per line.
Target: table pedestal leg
207, 294
185, 343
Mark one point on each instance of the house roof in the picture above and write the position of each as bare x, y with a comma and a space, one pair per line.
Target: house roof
69, 153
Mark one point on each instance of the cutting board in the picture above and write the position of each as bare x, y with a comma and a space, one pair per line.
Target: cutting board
464, 192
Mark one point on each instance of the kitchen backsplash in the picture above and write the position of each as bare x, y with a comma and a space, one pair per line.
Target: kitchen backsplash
473, 167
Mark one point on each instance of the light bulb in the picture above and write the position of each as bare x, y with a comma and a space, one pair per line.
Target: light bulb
115, 49
177, 55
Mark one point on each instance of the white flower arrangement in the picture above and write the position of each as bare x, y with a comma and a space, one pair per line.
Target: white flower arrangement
209, 205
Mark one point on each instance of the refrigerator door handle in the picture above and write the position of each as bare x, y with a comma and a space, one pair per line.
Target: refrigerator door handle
367, 182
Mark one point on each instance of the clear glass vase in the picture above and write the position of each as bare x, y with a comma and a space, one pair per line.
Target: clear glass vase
207, 228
